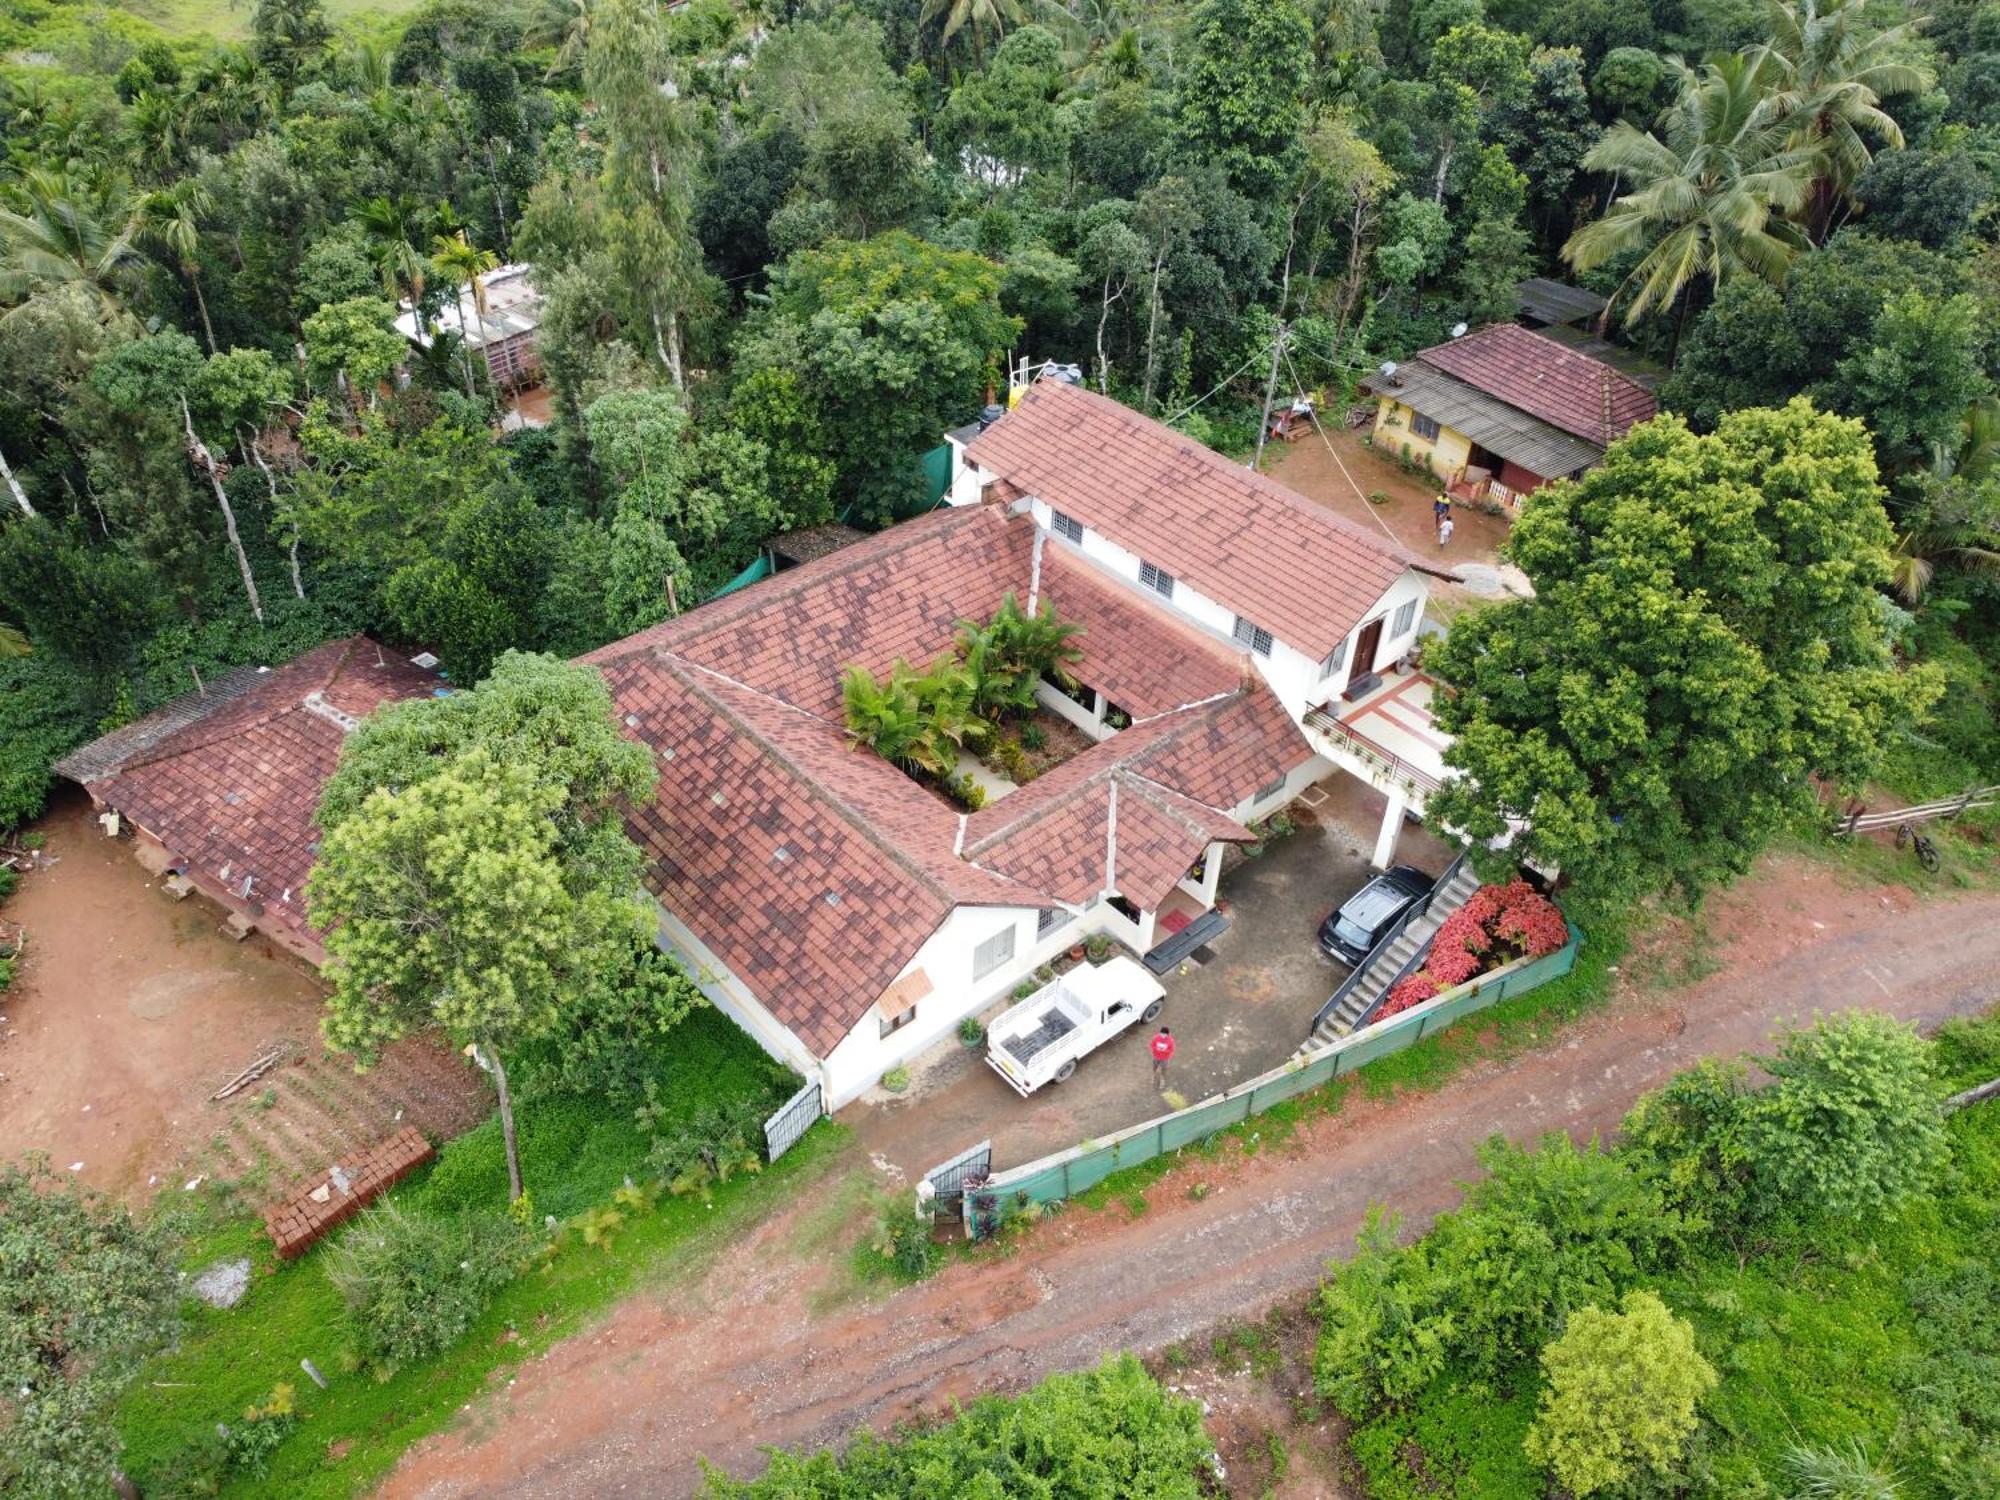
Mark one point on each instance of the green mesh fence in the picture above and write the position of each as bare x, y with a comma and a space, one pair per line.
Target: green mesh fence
1067, 1173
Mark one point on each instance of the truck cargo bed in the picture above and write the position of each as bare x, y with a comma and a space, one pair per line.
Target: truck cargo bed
1055, 1026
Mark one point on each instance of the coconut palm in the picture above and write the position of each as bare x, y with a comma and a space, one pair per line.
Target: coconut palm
1828, 70
455, 258
565, 26
985, 22
171, 219
1955, 517
67, 235
1713, 189
393, 226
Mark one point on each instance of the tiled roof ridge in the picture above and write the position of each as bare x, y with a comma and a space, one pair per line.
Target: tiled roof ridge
704, 619
174, 745
820, 793
1151, 791
1256, 479
1610, 381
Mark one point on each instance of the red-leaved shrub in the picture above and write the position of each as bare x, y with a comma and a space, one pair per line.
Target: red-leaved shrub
1412, 989
1497, 924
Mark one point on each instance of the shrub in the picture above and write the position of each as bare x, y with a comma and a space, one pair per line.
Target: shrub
904, 1241
1621, 1395
692, 1154
1109, 1431
896, 1079
1824, 1473
9, 879
971, 1032
1411, 989
414, 1283
1033, 737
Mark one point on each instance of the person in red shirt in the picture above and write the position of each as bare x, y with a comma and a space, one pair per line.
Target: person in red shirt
1163, 1053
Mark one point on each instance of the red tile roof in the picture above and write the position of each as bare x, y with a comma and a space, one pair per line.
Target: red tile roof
231, 793
816, 871
1141, 658
1546, 379
1243, 540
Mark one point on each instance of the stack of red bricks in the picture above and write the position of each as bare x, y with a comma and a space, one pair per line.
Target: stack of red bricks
317, 1207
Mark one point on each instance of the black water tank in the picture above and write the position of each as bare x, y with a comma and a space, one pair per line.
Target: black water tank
988, 415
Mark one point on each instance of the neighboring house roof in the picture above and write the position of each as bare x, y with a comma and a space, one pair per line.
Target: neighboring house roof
1546, 379
1490, 422
513, 308
811, 542
1549, 301
1244, 540
230, 787
814, 870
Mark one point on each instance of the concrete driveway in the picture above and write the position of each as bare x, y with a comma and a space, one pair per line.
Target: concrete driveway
1243, 1012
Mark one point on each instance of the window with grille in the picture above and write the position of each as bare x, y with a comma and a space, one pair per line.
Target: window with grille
1266, 793
1256, 637
1405, 618
1050, 919
1424, 427
1068, 527
1156, 579
1334, 659
992, 953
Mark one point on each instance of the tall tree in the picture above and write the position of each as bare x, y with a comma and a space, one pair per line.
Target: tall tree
66, 235
1704, 638
1240, 99
461, 264
474, 872
650, 166
1828, 69
1713, 191
171, 218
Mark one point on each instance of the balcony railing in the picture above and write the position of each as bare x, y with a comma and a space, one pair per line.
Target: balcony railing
1394, 767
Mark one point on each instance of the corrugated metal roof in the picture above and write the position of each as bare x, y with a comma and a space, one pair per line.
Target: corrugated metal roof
1489, 422
110, 753
1549, 301
513, 307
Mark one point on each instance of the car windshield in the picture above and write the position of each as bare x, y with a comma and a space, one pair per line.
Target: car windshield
1352, 935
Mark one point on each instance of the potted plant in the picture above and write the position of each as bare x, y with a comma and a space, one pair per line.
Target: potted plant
1098, 947
1076, 951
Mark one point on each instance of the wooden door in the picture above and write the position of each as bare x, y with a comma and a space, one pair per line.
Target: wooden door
1364, 651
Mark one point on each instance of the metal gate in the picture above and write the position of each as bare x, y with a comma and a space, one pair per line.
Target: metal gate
950, 1181
794, 1118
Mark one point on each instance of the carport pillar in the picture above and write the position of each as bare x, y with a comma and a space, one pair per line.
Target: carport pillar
1392, 826
1147, 920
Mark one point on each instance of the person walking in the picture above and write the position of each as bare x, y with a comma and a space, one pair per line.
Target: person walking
1444, 528
1163, 1053
1440, 508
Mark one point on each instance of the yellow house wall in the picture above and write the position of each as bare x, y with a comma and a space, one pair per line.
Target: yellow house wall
1446, 456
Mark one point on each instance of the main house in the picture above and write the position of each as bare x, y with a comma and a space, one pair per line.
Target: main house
1501, 412
846, 915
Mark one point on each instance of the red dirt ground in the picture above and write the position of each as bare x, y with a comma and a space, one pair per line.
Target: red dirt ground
1308, 467
131, 1010
744, 1355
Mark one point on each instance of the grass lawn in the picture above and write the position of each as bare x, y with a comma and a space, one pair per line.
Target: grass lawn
575, 1153
229, 20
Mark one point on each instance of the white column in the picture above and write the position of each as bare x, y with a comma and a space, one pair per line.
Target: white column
1211, 874
1146, 932
1392, 825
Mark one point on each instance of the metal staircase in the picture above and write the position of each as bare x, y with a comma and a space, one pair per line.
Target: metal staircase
1399, 952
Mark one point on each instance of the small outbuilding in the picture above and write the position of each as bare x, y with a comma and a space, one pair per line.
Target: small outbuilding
218, 788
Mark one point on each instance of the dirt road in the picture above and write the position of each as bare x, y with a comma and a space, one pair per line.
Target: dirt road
742, 1359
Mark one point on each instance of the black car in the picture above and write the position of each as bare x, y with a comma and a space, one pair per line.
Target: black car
1363, 917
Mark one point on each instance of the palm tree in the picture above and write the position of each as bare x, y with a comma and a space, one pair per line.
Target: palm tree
456, 259
1956, 516
886, 716
565, 26
170, 218
1828, 71
65, 236
392, 226
1713, 188
983, 21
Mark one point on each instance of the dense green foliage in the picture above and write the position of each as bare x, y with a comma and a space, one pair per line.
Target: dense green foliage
414, 1282
1108, 1431
1824, 1325
1705, 635
83, 1289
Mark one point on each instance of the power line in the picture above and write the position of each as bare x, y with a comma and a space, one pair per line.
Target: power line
1313, 412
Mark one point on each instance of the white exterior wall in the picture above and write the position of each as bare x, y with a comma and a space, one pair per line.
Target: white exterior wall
1412, 585
864, 1055
732, 996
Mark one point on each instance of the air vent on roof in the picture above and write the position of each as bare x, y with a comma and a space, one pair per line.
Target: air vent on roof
717, 798
666, 752
231, 798
833, 898
782, 855
631, 721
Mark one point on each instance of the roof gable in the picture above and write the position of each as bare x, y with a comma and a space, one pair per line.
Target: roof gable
1546, 379
1302, 572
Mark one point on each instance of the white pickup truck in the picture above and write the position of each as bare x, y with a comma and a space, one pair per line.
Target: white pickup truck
1040, 1040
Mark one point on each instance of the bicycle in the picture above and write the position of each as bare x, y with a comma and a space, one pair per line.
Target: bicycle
1927, 852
